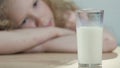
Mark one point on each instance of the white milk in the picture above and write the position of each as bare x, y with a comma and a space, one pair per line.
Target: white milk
89, 40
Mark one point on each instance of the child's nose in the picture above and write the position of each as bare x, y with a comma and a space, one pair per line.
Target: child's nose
39, 19
39, 22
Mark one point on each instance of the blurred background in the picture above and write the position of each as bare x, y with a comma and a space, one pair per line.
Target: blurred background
111, 16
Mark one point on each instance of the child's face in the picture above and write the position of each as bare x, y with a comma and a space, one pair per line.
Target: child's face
30, 13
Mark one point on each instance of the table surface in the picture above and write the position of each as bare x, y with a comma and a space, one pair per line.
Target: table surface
54, 60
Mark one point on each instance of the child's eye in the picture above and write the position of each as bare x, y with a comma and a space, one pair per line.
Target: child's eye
35, 3
24, 21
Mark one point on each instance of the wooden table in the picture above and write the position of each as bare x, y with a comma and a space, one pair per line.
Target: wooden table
54, 60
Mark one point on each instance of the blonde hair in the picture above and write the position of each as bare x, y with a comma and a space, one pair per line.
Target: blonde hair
58, 7
5, 23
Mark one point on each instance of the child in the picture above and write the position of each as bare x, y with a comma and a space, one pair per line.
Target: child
41, 26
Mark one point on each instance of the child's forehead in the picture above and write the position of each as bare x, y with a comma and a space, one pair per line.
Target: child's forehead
14, 2
18, 3
16, 9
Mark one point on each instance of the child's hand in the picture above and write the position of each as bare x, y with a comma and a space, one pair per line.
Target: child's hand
63, 32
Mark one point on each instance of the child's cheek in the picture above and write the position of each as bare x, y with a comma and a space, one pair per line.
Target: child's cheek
29, 24
71, 21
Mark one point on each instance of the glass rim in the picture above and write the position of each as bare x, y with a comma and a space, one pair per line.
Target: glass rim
90, 10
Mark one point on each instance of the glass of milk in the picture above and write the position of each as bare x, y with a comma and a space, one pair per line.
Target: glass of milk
89, 37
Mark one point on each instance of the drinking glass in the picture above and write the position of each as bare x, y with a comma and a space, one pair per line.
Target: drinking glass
89, 37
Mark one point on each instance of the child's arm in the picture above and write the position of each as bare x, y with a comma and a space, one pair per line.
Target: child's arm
109, 42
68, 44
20, 40
61, 44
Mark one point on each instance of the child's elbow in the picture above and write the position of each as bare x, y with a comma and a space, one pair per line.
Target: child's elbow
109, 45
